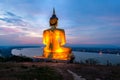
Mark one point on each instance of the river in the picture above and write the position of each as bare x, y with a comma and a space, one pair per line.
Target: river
79, 56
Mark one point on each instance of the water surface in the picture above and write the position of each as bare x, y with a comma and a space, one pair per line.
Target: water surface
79, 56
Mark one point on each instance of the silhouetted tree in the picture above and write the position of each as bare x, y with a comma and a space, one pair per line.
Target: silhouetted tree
19, 59
92, 61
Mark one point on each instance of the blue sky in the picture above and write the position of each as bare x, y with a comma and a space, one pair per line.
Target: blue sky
84, 21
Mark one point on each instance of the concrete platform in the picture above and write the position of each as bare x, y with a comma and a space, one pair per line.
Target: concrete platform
43, 59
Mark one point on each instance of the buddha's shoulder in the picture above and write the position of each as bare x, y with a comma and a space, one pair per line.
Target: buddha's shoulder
60, 29
57, 29
47, 30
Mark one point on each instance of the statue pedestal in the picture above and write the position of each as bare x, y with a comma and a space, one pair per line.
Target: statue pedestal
54, 57
43, 59
58, 55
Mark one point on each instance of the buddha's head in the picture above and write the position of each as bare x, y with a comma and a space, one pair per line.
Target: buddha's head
53, 20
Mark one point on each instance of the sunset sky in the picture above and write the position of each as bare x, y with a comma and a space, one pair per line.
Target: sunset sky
84, 21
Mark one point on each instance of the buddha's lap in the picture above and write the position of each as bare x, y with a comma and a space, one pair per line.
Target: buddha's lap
61, 49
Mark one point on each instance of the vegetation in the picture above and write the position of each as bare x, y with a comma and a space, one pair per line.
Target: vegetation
2, 59
19, 59
91, 72
13, 71
16, 59
92, 61
90, 69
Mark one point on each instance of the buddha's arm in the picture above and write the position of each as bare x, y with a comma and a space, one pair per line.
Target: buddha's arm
63, 39
45, 37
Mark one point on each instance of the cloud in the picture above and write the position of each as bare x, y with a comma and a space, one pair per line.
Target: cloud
11, 14
83, 21
10, 17
13, 20
14, 28
110, 20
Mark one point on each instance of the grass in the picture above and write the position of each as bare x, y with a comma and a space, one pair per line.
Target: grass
50, 71
91, 72
22, 72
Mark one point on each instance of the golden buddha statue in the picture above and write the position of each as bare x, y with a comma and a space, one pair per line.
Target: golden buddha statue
54, 40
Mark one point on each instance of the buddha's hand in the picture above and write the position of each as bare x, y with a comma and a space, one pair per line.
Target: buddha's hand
62, 44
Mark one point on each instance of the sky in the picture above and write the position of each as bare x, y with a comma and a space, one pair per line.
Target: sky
84, 21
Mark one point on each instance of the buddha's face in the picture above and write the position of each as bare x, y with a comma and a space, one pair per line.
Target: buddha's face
53, 22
